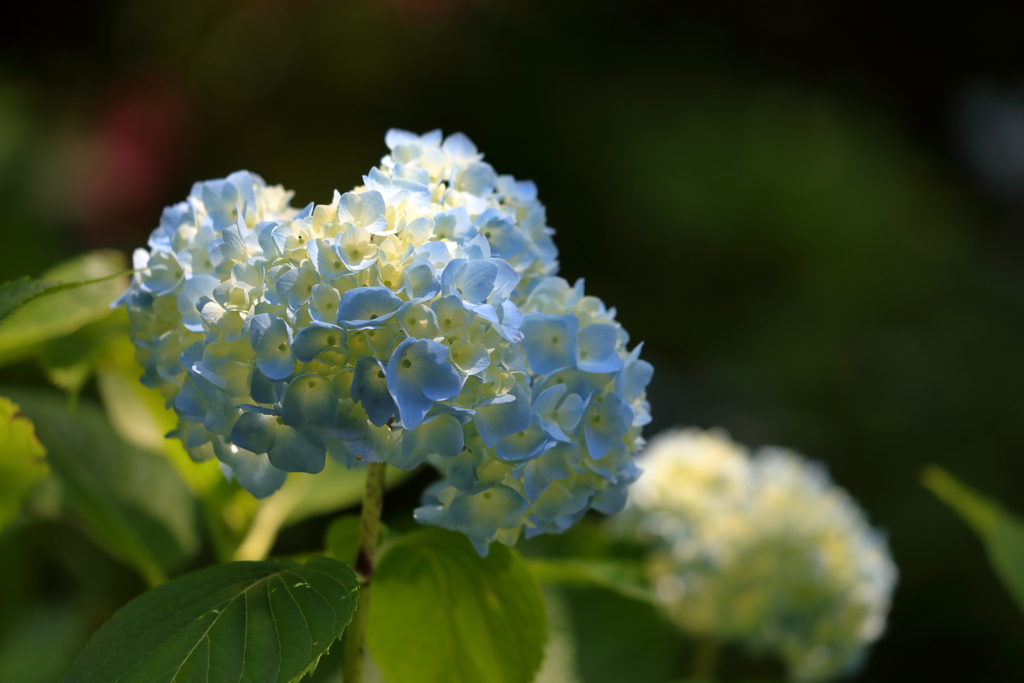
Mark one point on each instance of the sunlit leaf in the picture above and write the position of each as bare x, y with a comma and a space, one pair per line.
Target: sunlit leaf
16, 292
620, 577
22, 461
70, 361
243, 621
1001, 531
442, 614
140, 416
131, 500
75, 294
307, 495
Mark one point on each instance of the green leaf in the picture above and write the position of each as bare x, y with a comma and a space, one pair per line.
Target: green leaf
621, 577
307, 495
1001, 531
140, 416
22, 461
443, 614
14, 293
131, 500
66, 298
40, 646
243, 621
70, 361
619, 639
342, 538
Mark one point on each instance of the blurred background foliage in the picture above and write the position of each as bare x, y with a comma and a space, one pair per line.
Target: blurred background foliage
813, 214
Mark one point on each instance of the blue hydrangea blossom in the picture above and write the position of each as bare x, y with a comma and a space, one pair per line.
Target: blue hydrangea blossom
416, 318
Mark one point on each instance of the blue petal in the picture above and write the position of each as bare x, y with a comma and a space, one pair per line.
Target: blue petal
454, 224
367, 305
442, 436
509, 320
255, 432
418, 320
310, 402
525, 444
606, 422
477, 249
548, 399
481, 544
354, 441
296, 285
162, 274
328, 261
585, 384
423, 279
597, 349
612, 499
545, 405
506, 241
293, 452
569, 413
471, 358
484, 513
549, 341
271, 339
254, 471
461, 470
463, 415
538, 473
436, 253
452, 315
471, 280
311, 341
419, 374
189, 401
365, 209
635, 375
263, 389
559, 500
476, 178
505, 280
323, 304
370, 388
504, 415
194, 289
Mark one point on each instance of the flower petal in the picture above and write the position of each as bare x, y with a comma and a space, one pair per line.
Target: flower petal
370, 388
442, 436
596, 351
367, 306
549, 341
505, 415
310, 402
271, 339
419, 374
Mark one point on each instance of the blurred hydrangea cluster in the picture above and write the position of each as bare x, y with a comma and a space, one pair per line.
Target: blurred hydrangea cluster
416, 318
761, 549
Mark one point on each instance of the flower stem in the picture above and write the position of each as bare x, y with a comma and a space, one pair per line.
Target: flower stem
705, 659
369, 530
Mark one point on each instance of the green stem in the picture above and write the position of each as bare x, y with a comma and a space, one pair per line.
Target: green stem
705, 659
369, 530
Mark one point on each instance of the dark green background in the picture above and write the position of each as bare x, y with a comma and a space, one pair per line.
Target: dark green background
772, 194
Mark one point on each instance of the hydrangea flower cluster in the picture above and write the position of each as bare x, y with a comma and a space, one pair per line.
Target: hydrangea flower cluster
416, 318
761, 549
